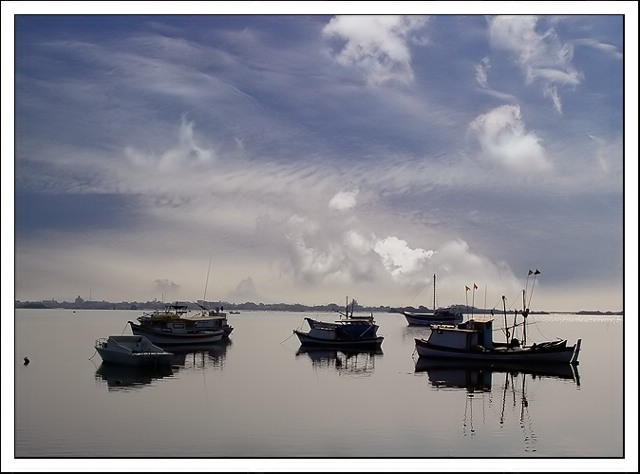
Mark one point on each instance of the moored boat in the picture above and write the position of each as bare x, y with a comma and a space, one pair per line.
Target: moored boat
349, 331
173, 325
130, 350
436, 316
473, 340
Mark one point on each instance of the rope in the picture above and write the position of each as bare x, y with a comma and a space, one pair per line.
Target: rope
288, 337
125, 328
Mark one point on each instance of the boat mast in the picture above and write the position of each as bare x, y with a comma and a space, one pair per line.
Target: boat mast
525, 313
434, 292
506, 325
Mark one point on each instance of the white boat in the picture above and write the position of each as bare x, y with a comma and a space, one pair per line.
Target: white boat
174, 325
473, 341
436, 316
349, 331
130, 350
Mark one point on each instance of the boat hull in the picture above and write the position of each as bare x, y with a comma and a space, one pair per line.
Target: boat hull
544, 354
309, 340
162, 337
132, 351
427, 319
149, 359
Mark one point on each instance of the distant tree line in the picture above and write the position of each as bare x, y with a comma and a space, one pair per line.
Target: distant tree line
80, 303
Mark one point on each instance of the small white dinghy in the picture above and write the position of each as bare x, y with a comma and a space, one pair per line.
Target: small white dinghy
133, 350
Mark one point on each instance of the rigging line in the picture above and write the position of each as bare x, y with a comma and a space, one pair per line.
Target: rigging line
125, 328
288, 337
428, 283
204, 297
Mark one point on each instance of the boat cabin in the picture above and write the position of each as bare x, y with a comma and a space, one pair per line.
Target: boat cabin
464, 336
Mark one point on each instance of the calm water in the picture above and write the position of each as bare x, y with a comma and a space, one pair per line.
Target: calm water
259, 397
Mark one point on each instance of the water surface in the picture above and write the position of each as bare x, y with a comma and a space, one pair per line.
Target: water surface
261, 397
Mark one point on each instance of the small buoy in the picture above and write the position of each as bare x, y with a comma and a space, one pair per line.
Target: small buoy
26, 361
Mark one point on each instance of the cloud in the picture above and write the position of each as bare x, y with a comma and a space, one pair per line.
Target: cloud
185, 155
343, 200
482, 70
377, 45
607, 49
504, 140
400, 259
542, 57
164, 285
246, 292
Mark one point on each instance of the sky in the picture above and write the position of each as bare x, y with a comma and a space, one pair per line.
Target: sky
306, 156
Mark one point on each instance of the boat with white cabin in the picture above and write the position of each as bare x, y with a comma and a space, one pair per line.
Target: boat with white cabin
175, 325
350, 331
473, 340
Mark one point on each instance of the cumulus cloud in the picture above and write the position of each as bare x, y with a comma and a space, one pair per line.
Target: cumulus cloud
542, 57
343, 200
399, 258
503, 139
377, 45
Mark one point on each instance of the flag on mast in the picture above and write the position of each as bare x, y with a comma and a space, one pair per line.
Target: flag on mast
466, 288
475, 287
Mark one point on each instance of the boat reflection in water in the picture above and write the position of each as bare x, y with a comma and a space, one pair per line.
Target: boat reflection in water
477, 376
190, 357
185, 358
122, 377
497, 388
351, 362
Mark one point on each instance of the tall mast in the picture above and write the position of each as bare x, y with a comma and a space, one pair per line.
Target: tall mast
434, 292
506, 325
525, 313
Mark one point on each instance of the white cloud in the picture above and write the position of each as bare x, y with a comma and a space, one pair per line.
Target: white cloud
503, 139
377, 45
541, 56
400, 259
608, 49
343, 200
482, 71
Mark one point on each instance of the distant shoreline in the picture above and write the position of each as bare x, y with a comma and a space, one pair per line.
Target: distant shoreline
250, 306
